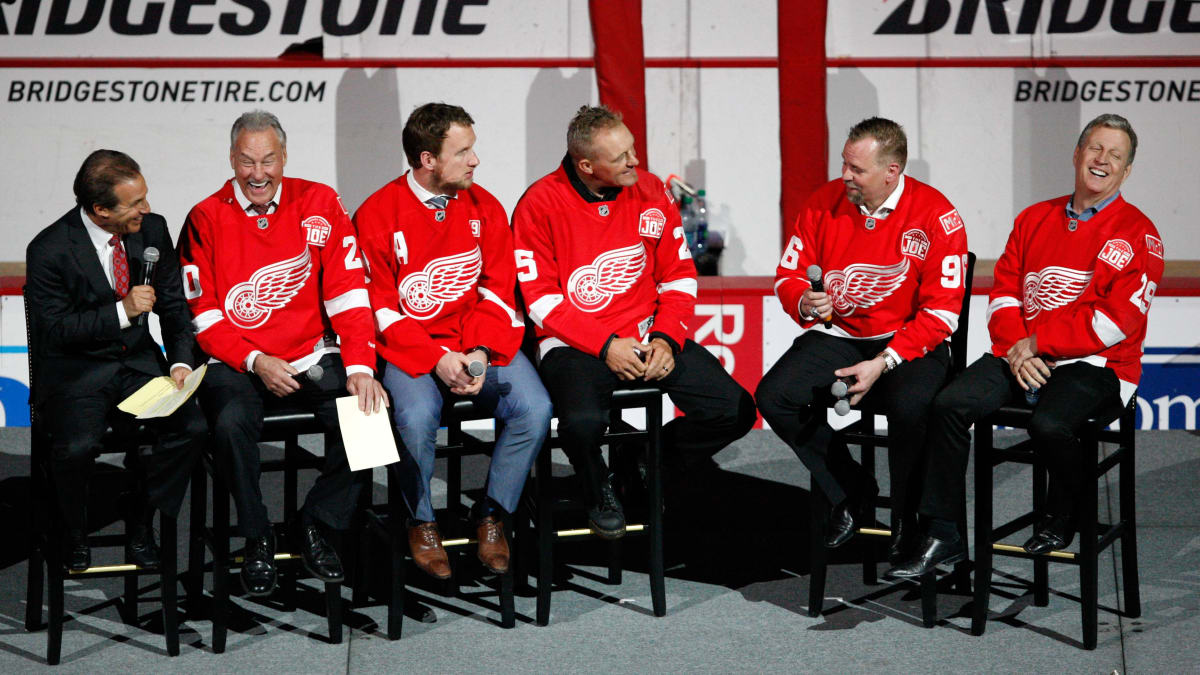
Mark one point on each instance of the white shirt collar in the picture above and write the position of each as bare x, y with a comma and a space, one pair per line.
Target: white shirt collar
888, 204
421, 193
97, 234
245, 203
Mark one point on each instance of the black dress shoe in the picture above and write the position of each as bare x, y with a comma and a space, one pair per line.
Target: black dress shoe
140, 549
320, 559
77, 555
933, 552
841, 524
1055, 534
903, 542
607, 519
258, 565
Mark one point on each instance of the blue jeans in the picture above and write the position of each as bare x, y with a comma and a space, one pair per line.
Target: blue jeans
513, 394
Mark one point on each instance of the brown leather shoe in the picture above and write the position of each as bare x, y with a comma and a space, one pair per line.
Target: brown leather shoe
426, 545
493, 547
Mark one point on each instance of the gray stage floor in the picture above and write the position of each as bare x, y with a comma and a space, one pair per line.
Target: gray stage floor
736, 593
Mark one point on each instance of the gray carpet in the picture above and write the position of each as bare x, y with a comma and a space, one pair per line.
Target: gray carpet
737, 590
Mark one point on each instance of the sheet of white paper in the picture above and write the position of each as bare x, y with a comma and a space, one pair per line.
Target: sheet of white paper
368, 438
160, 398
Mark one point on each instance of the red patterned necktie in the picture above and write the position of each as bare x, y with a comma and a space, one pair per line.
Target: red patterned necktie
120, 268
262, 209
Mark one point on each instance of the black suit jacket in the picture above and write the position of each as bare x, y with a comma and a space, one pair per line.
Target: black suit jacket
76, 342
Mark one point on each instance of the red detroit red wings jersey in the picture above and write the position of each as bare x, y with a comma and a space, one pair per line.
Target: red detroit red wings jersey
1084, 291
277, 283
900, 276
441, 279
589, 269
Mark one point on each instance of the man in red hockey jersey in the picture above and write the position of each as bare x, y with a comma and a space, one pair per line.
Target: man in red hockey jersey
272, 274
1067, 318
442, 284
891, 253
608, 280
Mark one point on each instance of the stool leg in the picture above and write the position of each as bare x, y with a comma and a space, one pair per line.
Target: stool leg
55, 626
38, 540
614, 562
169, 582
198, 518
983, 527
658, 585
333, 611
1129, 569
129, 608
870, 572
221, 564
1041, 568
508, 612
396, 546
287, 573
545, 535
929, 599
817, 554
1088, 572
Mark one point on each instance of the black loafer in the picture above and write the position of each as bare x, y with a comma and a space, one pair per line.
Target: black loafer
77, 555
841, 524
903, 542
933, 552
1056, 534
320, 559
141, 549
259, 575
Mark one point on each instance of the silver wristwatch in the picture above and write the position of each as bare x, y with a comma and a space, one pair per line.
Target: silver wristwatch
889, 361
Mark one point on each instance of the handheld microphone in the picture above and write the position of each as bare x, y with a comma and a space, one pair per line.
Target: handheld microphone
818, 286
475, 368
840, 388
310, 377
150, 256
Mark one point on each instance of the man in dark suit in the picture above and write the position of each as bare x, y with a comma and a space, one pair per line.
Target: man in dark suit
93, 347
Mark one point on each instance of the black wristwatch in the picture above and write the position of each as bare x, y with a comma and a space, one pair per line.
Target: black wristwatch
486, 352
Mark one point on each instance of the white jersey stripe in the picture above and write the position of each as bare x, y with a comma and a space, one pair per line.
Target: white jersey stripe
1000, 303
385, 317
348, 300
948, 318
206, 320
689, 286
540, 309
488, 295
1106, 329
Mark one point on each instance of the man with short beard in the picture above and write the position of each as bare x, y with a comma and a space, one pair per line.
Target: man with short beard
892, 251
273, 276
442, 284
1067, 318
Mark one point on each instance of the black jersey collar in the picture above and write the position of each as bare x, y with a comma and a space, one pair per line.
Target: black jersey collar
606, 195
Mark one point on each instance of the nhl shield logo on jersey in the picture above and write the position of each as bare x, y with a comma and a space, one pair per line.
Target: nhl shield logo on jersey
474, 228
603, 209
591, 287
651, 223
1154, 246
951, 221
439, 216
317, 230
914, 243
1116, 252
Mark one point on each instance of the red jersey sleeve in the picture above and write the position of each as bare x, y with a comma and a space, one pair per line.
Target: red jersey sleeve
791, 275
383, 244
940, 293
1119, 310
674, 275
493, 322
215, 334
537, 272
344, 291
1005, 323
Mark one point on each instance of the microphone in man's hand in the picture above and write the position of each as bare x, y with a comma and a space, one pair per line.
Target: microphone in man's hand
840, 388
476, 368
818, 286
309, 377
150, 256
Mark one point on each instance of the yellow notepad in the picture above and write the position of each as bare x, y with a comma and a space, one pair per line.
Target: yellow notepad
159, 397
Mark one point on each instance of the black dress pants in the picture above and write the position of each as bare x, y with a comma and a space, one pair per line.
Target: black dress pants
792, 395
235, 403
1073, 393
76, 423
717, 410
